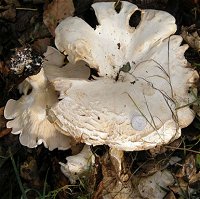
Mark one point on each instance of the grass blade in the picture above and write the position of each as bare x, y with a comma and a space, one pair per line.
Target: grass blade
17, 175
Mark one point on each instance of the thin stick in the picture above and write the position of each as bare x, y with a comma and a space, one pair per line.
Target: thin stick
182, 149
19, 8
27, 9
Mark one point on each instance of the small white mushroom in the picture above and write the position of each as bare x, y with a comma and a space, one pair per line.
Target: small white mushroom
29, 115
141, 98
78, 165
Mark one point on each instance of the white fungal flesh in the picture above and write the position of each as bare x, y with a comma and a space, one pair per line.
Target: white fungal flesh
54, 66
114, 43
78, 165
140, 99
28, 115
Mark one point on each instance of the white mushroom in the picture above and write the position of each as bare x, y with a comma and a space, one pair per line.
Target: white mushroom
29, 115
141, 98
78, 165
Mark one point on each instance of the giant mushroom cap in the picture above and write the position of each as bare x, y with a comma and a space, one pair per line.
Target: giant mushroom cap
141, 98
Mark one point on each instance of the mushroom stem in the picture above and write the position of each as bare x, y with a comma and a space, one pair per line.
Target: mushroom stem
120, 165
117, 159
116, 178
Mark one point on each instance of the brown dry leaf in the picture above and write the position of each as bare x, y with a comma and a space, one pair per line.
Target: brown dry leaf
29, 172
115, 185
195, 181
157, 150
175, 144
152, 166
2, 119
191, 36
3, 130
56, 11
13, 2
9, 13
162, 149
58, 179
188, 168
170, 195
156, 185
180, 187
3, 69
41, 45
107, 1
104, 1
